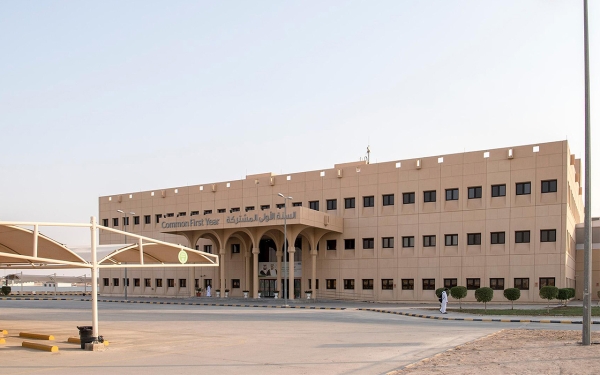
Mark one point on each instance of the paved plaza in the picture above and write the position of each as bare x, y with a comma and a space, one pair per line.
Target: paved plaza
153, 338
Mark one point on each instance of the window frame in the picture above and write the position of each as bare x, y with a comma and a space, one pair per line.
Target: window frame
473, 283
546, 279
387, 242
349, 203
521, 281
450, 283
408, 241
427, 241
367, 284
182, 283
452, 194
331, 284
368, 201
498, 190
473, 239
453, 239
495, 283
349, 242
523, 188
522, 233
387, 284
236, 284
387, 199
370, 243
331, 204
408, 284
158, 283
548, 235
475, 192
497, 238
236, 248
408, 198
331, 244
428, 284
349, 284
549, 186
429, 196
313, 205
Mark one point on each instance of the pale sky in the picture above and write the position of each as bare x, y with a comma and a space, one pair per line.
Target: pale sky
100, 98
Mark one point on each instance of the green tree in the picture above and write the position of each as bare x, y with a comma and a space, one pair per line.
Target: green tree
6, 290
438, 292
548, 292
484, 295
458, 292
512, 294
563, 295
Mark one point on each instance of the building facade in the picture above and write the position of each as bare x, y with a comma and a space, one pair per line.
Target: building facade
391, 231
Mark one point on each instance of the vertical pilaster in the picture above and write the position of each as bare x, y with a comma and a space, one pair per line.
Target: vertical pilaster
222, 287
313, 275
255, 252
292, 251
279, 271
247, 268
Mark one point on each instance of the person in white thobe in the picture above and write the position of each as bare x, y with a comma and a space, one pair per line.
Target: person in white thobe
208, 290
444, 301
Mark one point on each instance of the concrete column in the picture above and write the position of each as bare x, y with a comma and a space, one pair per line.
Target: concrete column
222, 267
314, 273
292, 251
190, 282
279, 285
255, 252
247, 268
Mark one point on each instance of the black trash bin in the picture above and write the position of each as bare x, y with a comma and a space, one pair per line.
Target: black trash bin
85, 335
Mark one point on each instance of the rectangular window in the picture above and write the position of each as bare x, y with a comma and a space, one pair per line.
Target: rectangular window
474, 239
349, 244
429, 196
196, 283
367, 284
332, 204
249, 208
387, 284
170, 214
115, 222
296, 204
236, 209
497, 238
388, 199
235, 283
451, 239
115, 281
349, 284
280, 205
158, 283
125, 221
182, 214
369, 201
499, 190
451, 194
207, 212
547, 281
105, 281
549, 186
136, 282
548, 235
387, 242
330, 283
331, 244
408, 284
368, 243
136, 220
408, 198
408, 241
126, 281
147, 219
208, 249
428, 241
473, 284
235, 248
450, 283
221, 210
522, 283
183, 283
349, 202
313, 205
522, 236
474, 192
170, 283
497, 284
194, 213
265, 207
104, 222
158, 217
523, 188
428, 284
147, 283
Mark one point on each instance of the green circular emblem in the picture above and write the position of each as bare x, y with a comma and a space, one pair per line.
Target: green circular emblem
183, 257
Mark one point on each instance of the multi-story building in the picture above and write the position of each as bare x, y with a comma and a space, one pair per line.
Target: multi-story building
391, 231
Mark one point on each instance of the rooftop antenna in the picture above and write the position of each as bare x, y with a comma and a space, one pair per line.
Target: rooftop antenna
368, 154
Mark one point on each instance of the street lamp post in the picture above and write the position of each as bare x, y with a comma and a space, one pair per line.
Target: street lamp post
125, 219
286, 274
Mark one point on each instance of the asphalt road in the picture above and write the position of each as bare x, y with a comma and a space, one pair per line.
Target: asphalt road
181, 339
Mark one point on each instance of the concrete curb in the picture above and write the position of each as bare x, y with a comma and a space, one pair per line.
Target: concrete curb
496, 320
220, 304
33, 299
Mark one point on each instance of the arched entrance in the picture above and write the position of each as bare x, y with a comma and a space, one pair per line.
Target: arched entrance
269, 268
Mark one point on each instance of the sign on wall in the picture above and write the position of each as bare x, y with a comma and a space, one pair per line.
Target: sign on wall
269, 269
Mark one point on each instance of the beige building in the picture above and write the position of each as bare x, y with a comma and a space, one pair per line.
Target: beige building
392, 231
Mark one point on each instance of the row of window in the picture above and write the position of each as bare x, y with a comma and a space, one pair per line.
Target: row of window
474, 192
521, 236
521, 283
158, 283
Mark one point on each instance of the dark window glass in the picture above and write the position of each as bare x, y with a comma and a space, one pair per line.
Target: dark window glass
408, 241
473, 284
498, 190
183, 283
235, 283
387, 242
207, 212
428, 241
451, 239
408, 284
266, 207
449, 283
497, 284
408, 198
474, 192
522, 236
367, 284
313, 205
523, 188
104, 222
182, 214
208, 249
296, 204
349, 202
331, 244
158, 283
368, 243
115, 222
330, 283
387, 284
547, 281
474, 239
136, 282
158, 217
497, 238
332, 204
170, 283
349, 244
115, 281
136, 220
429, 196
388, 199
549, 186
105, 281
451, 194
349, 284
147, 219
235, 248
126, 221
147, 283
522, 283
548, 235
235, 209
249, 208
428, 284
369, 201
194, 213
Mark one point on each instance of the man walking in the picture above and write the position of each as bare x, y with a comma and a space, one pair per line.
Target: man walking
444, 301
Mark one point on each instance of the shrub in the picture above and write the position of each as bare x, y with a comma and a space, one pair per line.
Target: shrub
563, 295
512, 294
458, 292
484, 295
572, 290
438, 292
6, 290
549, 293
